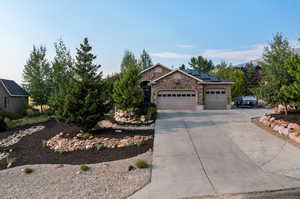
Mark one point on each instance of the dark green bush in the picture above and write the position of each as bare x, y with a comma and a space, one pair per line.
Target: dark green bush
3, 125
141, 164
31, 112
6, 114
28, 170
84, 167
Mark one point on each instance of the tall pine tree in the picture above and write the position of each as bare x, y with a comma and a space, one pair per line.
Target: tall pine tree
128, 59
36, 75
145, 60
84, 104
201, 64
127, 94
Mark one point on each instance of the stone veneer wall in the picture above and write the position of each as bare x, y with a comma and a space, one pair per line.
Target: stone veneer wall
226, 86
154, 73
171, 83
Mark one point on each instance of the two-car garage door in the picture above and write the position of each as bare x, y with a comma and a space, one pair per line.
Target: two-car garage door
176, 99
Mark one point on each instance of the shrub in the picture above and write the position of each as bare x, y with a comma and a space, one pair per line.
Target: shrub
28, 170
138, 142
141, 164
31, 112
151, 113
99, 147
86, 135
84, 167
3, 125
6, 114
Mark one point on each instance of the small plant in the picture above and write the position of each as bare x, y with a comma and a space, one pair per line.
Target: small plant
84, 167
28, 170
44, 143
138, 142
9, 162
86, 136
60, 150
99, 147
141, 164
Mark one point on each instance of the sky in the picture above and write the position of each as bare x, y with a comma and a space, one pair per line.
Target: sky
171, 31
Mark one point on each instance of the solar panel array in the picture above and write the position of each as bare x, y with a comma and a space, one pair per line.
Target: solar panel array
204, 76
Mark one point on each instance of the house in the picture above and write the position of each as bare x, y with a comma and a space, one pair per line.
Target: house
185, 89
12, 96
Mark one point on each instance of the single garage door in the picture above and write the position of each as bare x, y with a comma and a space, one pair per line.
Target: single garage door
176, 100
215, 98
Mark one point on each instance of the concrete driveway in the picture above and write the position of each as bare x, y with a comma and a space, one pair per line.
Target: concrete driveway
217, 152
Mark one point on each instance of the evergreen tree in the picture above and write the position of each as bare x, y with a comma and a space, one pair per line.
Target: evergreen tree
128, 60
182, 67
145, 60
36, 76
201, 64
274, 74
60, 74
251, 77
292, 90
84, 104
127, 94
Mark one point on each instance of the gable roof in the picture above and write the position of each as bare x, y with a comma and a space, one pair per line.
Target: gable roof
13, 89
177, 70
156, 65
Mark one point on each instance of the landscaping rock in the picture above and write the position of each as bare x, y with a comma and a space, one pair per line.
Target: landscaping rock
106, 124
60, 143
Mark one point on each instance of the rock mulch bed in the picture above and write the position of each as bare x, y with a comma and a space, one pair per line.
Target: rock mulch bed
110, 180
66, 144
284, 128
125, 117
16, 137
30, 150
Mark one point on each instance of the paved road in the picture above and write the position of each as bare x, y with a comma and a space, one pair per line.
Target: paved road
209, 153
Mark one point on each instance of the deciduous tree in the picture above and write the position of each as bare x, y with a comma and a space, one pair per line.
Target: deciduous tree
201, 64
36, 75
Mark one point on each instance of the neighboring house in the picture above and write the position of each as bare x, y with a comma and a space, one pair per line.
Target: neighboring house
185, 89
12, 96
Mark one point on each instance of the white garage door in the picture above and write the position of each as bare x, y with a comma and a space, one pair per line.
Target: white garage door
215, 98
176, 100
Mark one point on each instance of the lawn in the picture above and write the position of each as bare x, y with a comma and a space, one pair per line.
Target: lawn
27, 120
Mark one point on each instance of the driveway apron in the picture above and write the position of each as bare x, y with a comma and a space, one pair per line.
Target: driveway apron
197, 154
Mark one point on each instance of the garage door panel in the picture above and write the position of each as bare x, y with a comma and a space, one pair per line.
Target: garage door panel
215, 98
176, 100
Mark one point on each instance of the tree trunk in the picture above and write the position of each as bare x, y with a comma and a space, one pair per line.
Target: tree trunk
285, 109
41, 106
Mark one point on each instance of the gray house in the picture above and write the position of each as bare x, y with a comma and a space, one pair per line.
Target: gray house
12, 96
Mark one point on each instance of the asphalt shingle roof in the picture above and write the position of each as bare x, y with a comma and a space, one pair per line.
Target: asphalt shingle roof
205, 77
13, 88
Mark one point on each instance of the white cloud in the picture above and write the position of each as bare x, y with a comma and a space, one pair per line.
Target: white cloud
171, 55
184, 46
254, 52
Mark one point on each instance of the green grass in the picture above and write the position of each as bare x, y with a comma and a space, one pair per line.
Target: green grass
27, 120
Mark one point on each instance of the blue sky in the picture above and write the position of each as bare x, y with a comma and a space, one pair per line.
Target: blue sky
171, 31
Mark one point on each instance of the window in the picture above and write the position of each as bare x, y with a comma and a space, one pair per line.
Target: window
207, 92
178, 95
193, 95
212, 92
183, 95
169, 95
159, 95
188, 95
217, 92
164, 95
173, 95
223, 92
